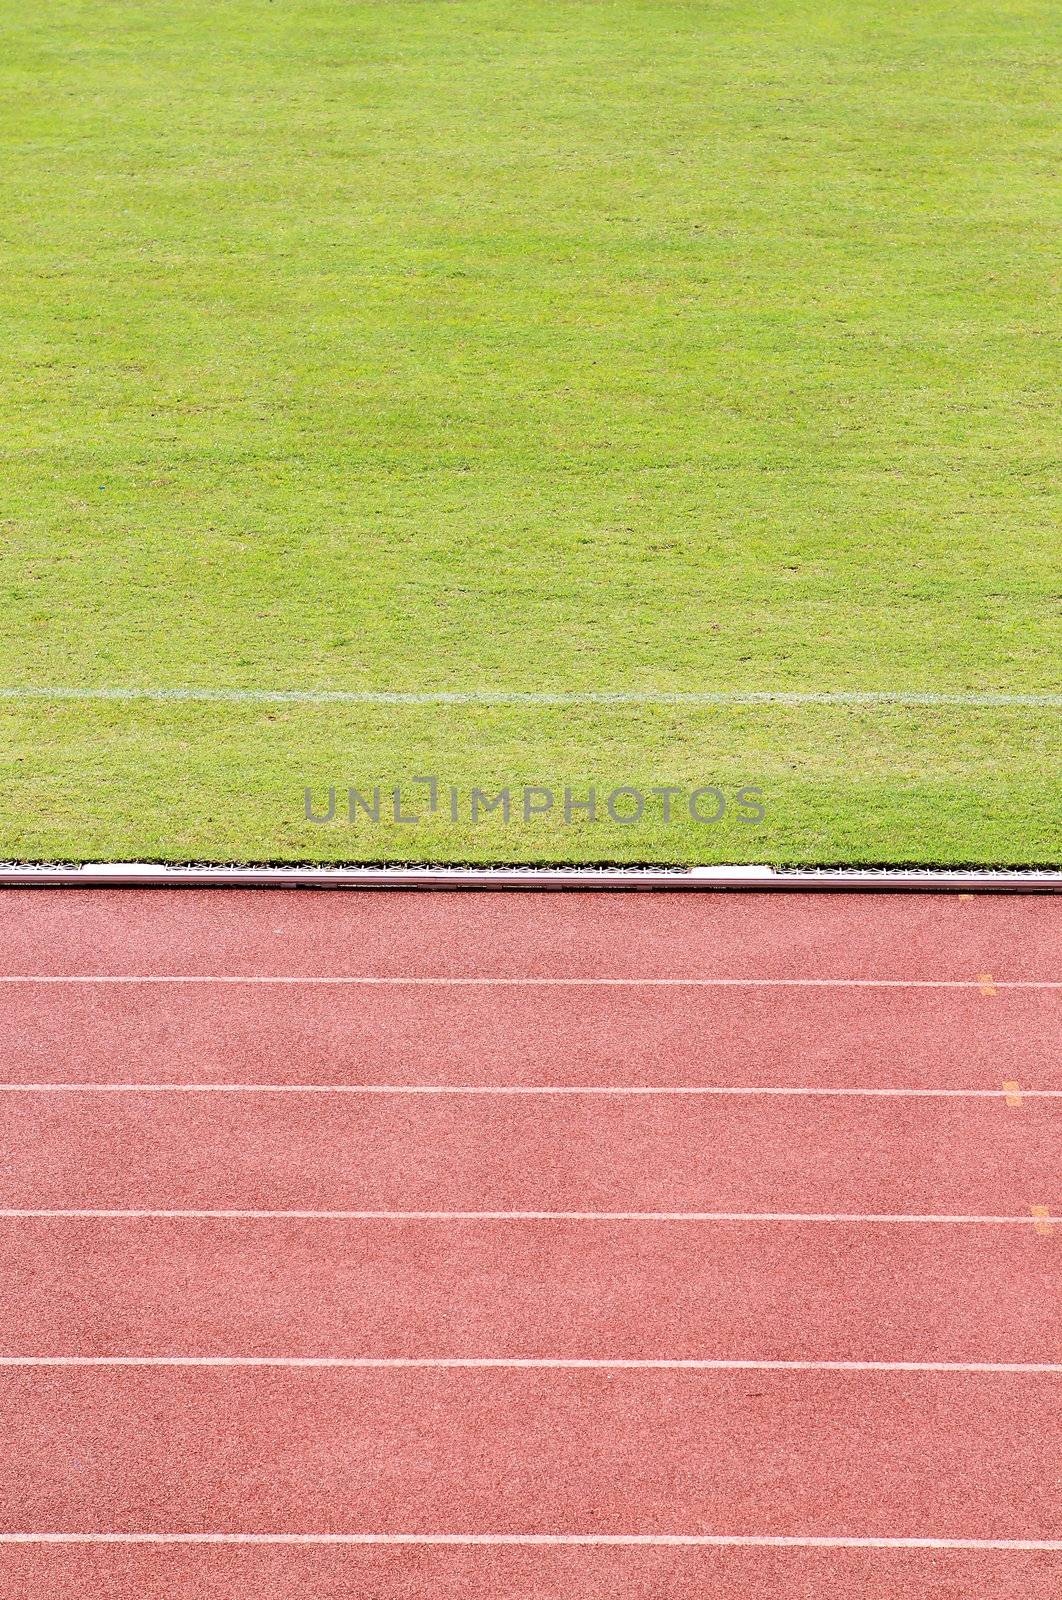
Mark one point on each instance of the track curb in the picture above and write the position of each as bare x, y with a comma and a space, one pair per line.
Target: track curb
144, 875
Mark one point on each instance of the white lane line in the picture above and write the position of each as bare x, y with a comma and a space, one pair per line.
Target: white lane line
534, 697
532, 1363
474, 1089
145, 1214
566, 982
740, 1540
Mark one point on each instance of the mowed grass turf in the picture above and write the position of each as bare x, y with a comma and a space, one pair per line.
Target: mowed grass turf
634, 346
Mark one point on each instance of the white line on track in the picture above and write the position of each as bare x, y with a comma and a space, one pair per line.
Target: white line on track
739, 1540
516, 1089
513, 1089
578, 697
566, 982
520, 1363
147, 1214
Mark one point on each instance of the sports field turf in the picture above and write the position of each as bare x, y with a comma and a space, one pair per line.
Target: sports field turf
643, 347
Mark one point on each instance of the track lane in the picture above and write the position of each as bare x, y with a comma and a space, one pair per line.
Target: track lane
402, 1153
528, 933
253, 1450
610, 1291
640, 1036
394, 1573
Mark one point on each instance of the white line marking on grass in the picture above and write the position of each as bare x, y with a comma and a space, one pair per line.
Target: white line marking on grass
545, 1363
471, 1089
511, 982
176, 1215
973, 699
739, 1540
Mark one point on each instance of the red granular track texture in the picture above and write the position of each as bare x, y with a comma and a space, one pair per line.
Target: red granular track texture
244, 1449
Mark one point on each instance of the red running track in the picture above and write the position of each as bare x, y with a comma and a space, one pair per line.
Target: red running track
296, 1152
612, 1291
864, 1282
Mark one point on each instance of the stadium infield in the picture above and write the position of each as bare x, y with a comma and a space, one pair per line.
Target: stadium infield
412, 348
538, 1244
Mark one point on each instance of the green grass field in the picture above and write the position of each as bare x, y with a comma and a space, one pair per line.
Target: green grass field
645, 346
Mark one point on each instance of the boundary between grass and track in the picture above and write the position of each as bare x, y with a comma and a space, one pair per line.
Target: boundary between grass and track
148, 874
